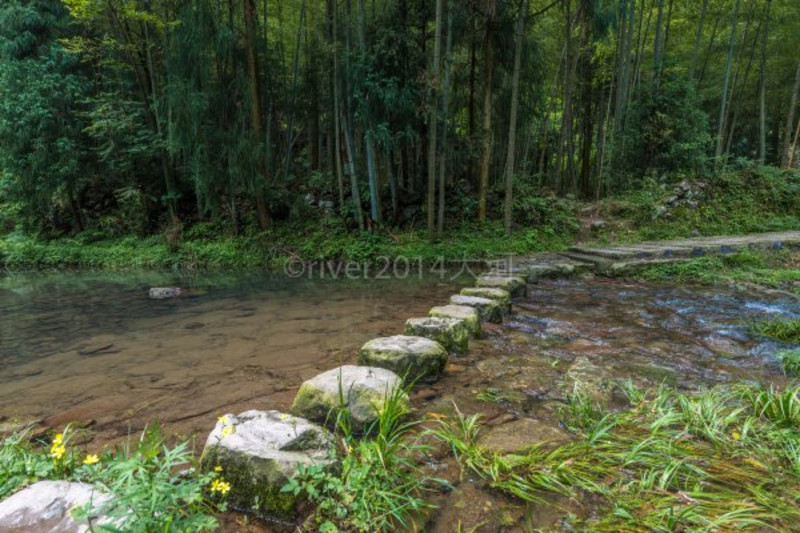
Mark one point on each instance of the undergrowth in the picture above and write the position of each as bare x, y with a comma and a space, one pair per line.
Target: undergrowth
721, 459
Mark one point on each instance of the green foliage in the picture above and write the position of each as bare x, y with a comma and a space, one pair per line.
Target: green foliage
787, 330
790, 359
152, 485
719, 459
149, 490
379, 484
667, 131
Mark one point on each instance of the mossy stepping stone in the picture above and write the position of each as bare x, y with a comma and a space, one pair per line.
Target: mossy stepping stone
500, 296
363, 390
258, 451
515, 285
468, 314
452, 333
488, 310
411, 357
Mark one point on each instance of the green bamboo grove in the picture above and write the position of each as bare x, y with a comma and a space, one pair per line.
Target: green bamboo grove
142, 116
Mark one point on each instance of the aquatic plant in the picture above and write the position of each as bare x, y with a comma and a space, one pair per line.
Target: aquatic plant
790, 359
784, 330
720, 459
379, 485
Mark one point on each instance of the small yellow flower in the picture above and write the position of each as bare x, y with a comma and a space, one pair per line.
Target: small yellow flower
221, 486
57, 451
58, 439
224, 420
218, 469
91, 459
228, 430
756, 463
736, 435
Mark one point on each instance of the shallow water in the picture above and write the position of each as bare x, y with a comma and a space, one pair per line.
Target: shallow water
95, 347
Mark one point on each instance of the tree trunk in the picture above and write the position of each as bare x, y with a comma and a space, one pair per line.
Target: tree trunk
432, 120
787, 133
762, 90
512, 123
256, 118
486, 153
698, 39
445, 123
336, 99
724, 103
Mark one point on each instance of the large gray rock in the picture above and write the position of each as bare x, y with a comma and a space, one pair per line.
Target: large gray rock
452, 333
414, 358
515, 285
488, 310
468, 314
363, 390
500, 296
46, 507
259, 451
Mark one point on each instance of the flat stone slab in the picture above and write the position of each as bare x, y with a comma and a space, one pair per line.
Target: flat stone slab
515, 285
519, 435
45, 507
452, 333
500, 296
488, 310
259, 451
468, 314
411, 357
361, 389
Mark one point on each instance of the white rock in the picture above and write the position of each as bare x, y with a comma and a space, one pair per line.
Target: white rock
45, 507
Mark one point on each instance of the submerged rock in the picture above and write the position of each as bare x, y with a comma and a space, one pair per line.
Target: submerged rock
515, 285
519, 435
362, 389
259, 451
501, 296
587, 378
414, 358
162, 293
468, 314
46, 507
488, 310
452, 333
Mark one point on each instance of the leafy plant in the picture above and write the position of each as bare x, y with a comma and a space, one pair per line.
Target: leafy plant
790, 359
379, 484
781, 330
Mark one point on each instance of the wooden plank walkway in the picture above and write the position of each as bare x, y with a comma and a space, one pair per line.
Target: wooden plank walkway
623, 259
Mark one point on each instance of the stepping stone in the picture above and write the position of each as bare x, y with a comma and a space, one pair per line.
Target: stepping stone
362, 389
259, 451
500, 296
515, 285
413, 358
452, 333
466, 313
46, 506
489, 310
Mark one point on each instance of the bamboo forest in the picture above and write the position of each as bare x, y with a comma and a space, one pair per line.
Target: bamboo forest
488, 266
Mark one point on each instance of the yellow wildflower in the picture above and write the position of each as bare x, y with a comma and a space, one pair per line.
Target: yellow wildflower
218, 469
736, 435
224, 420
58, 439
228, 430
91, 459
756, 463
221, 486
57, 451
